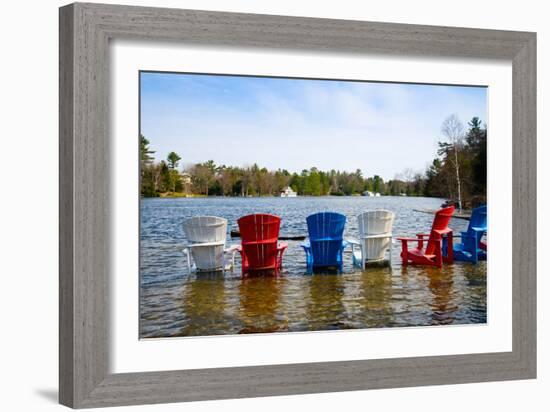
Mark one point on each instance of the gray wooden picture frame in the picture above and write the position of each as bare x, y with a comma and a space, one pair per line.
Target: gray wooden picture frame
85, 32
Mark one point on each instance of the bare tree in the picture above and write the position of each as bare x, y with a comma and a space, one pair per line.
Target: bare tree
408, 175
453, 129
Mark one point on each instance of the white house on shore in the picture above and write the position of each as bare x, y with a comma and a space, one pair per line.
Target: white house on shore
288, 192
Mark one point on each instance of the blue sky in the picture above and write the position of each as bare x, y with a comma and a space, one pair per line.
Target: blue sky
380, 128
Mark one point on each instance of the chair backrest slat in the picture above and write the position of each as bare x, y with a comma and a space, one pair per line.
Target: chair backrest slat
259, 238
203, 229
476, 229
440, 224
206, 229
478, 219
326, 230
375, 222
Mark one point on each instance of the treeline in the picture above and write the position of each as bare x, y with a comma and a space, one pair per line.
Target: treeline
209, 179
466, 153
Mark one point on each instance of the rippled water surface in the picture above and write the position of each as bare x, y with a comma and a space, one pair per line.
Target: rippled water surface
176, 303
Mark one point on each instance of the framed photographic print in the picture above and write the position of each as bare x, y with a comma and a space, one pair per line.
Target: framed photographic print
257, 205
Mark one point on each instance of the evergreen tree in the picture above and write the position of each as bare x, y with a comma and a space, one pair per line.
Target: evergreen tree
173, 160
477, 146
145, 153
146, 168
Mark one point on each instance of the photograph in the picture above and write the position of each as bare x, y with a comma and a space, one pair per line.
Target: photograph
282, 205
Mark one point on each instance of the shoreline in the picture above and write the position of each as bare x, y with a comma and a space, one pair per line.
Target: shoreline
183, 196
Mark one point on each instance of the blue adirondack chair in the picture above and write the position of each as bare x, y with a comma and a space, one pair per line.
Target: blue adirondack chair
469, 250
325, 245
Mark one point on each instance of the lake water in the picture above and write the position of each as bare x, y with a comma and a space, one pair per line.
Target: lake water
177, 303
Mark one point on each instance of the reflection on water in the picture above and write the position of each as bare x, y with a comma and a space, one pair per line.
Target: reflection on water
175, 303
260, 305
325, 304
203, 302
440, 283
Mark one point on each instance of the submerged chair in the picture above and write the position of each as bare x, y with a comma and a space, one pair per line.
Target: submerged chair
325, 245
432, 255
471, 248
206, 237
260, 248
375, 237
483, 245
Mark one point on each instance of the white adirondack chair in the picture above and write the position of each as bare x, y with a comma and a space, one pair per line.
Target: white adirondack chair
375, 237
206, 237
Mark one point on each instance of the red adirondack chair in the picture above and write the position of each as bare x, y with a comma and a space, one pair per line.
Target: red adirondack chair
431, 255
483, 245
260, 250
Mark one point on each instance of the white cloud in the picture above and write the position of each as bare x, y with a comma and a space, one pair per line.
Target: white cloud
381, 129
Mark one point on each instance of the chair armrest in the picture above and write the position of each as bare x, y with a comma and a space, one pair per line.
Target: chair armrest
233, 249
353, 241
380, 236
420, 235
306, 244
412, 239
192, 245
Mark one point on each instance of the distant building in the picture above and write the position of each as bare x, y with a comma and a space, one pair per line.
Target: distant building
368, 193
288, 192
185, 178
186, 182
